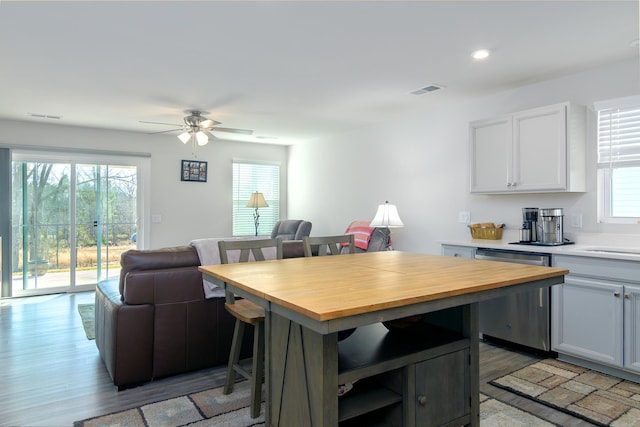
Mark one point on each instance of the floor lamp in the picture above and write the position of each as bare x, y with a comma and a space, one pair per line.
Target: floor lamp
387, 217
257, 201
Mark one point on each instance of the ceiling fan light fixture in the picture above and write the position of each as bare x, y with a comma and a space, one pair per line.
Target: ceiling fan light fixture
202, 138
184, 137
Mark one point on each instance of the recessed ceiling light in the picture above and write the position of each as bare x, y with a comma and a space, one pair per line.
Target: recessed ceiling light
480, 54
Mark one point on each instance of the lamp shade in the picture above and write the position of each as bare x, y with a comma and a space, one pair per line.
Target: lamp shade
387, 216
257, 201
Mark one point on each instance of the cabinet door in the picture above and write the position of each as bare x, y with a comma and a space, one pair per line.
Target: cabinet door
588, 320
458, 251
632, 328
442, 389
540, 149
490, 155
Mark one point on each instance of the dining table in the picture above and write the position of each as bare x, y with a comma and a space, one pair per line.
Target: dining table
391, 335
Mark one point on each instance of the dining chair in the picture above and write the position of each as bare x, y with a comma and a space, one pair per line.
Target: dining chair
247, 313
328, 245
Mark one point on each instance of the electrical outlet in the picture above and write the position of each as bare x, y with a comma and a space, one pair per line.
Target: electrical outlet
464, 217
156, 218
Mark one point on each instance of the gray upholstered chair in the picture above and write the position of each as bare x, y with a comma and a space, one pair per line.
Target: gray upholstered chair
291, 231
247, 313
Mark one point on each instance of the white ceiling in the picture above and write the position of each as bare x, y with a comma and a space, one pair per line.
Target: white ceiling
288, 70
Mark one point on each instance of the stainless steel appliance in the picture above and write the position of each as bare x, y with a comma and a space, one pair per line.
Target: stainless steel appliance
522, 318
551, 229
529, 225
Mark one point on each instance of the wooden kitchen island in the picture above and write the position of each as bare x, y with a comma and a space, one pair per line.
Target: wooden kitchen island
417, 376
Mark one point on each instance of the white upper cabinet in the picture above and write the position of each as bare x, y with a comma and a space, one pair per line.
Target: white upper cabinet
540, 150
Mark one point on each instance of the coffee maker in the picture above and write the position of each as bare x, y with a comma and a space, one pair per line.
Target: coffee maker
529, 230
551, 228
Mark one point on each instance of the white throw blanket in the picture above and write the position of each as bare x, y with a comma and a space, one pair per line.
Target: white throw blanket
209, 254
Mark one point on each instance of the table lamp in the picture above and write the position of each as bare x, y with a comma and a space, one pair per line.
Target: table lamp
387, 217
257, 201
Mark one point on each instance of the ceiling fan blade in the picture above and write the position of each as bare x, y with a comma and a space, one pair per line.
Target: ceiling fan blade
208, 123
230, 130
159, 123
165, 131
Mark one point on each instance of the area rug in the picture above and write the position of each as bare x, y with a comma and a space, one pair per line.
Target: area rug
87, 314
205, 408
212, 408
601, 399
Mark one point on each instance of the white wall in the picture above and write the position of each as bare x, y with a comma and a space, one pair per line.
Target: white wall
189, 210
421, 164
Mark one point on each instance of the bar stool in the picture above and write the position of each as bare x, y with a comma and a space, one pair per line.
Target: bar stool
247, 313
328, 245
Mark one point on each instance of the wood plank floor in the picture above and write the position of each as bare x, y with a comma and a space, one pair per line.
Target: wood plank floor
51, 375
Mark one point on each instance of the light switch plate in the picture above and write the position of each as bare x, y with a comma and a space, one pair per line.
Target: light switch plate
576, 220
156, 218
464, 217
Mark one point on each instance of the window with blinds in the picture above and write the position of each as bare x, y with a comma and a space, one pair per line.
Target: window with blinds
619, 161
248, 178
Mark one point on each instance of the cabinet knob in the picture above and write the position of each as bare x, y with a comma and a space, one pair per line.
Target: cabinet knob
616, 294
627, 296
422, 400
456, 254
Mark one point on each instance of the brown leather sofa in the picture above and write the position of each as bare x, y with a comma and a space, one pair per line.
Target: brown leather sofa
155, 321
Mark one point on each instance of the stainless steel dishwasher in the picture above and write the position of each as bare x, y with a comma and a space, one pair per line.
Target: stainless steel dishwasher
521, 318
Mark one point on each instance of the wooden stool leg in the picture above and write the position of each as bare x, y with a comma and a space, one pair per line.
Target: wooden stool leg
257, 372
236, 346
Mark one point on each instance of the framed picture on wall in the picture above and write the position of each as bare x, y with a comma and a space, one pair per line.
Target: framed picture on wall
193, 171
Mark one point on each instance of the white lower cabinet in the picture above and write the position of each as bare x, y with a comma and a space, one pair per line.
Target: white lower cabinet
589, 320
596, 312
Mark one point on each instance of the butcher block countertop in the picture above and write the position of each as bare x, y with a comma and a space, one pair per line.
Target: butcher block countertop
332, 287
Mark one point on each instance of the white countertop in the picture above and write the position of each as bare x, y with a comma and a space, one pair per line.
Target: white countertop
596, 245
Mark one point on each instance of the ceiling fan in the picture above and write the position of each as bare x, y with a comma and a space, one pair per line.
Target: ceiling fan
197, 128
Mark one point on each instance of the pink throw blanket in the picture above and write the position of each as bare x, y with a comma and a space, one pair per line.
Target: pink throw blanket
361, 233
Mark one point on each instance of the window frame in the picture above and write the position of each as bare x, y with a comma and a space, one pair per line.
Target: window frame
605, 168
264, 181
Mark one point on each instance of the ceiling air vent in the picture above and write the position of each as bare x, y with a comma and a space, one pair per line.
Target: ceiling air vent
44, 116
426, 89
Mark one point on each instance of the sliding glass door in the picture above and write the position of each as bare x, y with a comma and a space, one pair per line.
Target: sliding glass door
71, 220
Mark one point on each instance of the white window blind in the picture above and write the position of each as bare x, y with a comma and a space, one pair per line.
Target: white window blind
248, 178
619, 161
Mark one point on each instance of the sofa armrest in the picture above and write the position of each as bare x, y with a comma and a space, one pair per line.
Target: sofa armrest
124, 336
167, 286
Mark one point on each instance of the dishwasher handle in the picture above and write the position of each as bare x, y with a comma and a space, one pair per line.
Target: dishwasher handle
514, 257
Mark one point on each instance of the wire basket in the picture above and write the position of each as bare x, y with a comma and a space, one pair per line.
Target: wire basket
489, 232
